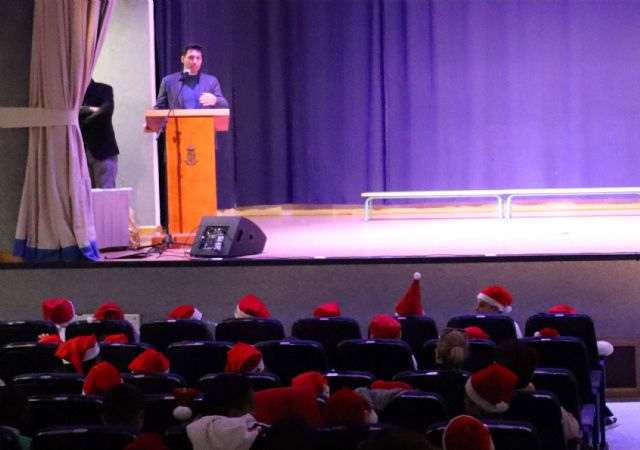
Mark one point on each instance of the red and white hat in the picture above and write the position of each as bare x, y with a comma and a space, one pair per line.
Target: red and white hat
476, 333
388, 385
244, 358
49, 339
327, 310
108, 311
314, 379
121, 337
58, 310
150, 361
491, 388
147, 441
251, 306
562, 309
77, 350
100, 378
183, 396
185, 312
466, 433
383, 326
276, 404
498, 297
410, 304
345, 407
547, 332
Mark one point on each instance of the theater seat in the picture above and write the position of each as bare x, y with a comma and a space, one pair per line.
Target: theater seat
329, 331
193, 360
97, 437
9, 439
249, 331
499, 326
449, 384
17, 359
160, 334
415, 411
49, 383
352, 379
506, 435
382, 357
63, 410
101, 329
416, 330
120, 354
12, 331
154, 383
290, 357
258, 381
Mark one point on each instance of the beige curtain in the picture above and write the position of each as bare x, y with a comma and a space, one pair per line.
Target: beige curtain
55, 222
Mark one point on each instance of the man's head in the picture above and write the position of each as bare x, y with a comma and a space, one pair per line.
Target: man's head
191, 59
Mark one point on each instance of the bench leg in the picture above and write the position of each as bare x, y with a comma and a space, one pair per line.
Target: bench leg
367, 209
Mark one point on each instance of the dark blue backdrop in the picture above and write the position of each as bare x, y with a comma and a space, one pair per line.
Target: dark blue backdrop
331, 98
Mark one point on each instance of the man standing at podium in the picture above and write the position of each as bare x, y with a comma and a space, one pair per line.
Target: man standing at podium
190, 89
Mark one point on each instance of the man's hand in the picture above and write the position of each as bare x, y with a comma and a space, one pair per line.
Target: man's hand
208, 99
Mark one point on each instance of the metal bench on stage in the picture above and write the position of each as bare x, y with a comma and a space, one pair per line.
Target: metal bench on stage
504, 207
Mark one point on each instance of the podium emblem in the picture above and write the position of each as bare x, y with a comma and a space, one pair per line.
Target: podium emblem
191, 156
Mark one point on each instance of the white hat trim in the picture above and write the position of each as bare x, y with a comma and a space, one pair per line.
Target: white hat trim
484, 404
239, 314
196, 314
497, 304
91, 353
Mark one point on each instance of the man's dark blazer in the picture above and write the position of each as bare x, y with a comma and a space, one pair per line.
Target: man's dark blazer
96, 127
169, 98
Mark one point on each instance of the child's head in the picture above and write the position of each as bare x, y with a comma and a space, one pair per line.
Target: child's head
452, 349
494, 300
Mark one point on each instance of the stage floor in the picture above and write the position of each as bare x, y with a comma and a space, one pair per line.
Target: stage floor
395, 236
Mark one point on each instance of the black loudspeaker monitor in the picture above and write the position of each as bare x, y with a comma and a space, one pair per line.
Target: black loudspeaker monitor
220, 237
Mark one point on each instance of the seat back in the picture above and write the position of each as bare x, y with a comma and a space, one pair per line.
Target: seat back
154, 383
101, 329
12, 331
346, 437
349, 378
97, 437
449, 384
120, 354
499, 327
160, 334
576, 325
416, 330
49, 383
482, 353
63, 410
566, 353
17, 359
249, 331
329, 331
176, 438
290, 357
415, 411
563, 384
158, 413
194, 359
542, 410
258, 381
9, 439
506, 435
382, 357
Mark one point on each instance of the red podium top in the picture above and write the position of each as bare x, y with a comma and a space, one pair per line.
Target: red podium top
155, 117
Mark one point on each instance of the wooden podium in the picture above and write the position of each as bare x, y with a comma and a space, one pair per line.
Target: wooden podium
190, 162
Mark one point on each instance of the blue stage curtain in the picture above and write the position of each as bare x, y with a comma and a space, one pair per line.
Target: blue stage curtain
331, 98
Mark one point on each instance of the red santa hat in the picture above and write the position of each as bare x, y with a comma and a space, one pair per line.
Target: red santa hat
491, 388
273, 405
150, 361
251, 306
244, 358
185, 312
147, 441
345, 407
498, 297
476, 333
108, 311
383, 326
466, 433
547, 332
58, 310
100, 378
314, 379
77, 350
388, 385
327, 310
121, 337
409, 304
49, 339
562, 309
183, 396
